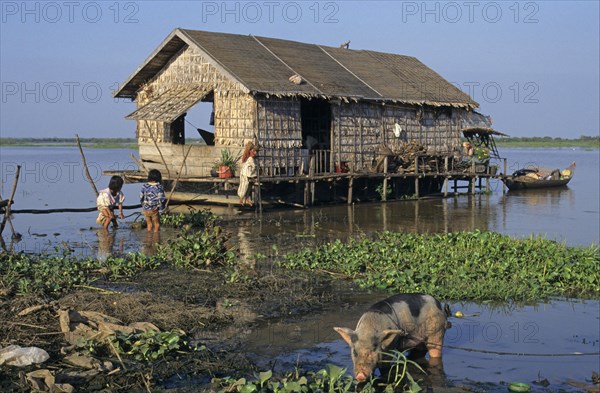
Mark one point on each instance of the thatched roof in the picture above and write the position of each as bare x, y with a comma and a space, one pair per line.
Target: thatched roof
265, 65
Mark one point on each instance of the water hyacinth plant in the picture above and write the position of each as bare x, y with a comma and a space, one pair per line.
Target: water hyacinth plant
463, 266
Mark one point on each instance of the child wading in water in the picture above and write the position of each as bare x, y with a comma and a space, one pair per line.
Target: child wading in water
153, 199
108, 199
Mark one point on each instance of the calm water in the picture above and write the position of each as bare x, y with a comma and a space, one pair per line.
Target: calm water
53, 178
556, 328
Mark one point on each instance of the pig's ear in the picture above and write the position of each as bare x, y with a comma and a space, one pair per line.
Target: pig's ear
347, 334
388, 336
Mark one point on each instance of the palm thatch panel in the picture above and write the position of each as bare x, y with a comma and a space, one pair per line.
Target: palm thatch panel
235, 118
187, 74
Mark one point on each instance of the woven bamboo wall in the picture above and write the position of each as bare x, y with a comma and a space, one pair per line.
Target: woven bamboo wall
435, 128
188, 67
279, 131
360, 128
235, 114
356, 133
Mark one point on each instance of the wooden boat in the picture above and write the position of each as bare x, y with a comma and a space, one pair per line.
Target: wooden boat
537, 177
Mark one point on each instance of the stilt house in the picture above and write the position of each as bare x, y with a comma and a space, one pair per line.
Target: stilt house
295, 100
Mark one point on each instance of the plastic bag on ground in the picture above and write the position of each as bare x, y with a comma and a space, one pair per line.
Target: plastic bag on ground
14, 355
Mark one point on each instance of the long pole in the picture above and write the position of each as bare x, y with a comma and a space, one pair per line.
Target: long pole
10, 199
157, 148
178, 176
87, 172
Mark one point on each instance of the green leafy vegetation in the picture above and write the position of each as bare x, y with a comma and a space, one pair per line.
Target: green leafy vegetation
194, 219
55, 275
151, 345
331, 379
383, 193
196, 249
463, 266
24, 274
145, 346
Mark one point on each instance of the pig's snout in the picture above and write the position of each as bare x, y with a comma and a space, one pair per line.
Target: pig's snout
361, 377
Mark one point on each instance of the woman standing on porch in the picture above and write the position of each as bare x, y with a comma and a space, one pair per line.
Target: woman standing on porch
248, 171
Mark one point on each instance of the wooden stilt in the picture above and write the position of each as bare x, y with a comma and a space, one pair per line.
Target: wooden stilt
417, 177
417, 186
306, 185
350, 189
259, 203
311, 173
504, 174
445, 186
385, 179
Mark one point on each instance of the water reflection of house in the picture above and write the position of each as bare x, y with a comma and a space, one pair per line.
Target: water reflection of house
314, 110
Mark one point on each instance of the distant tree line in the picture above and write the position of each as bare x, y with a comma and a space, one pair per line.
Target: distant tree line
64, 140
582, 138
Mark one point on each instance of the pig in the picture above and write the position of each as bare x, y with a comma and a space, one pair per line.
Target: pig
404, 322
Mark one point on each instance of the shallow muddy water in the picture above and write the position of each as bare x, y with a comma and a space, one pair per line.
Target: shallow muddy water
53, 178
489, 344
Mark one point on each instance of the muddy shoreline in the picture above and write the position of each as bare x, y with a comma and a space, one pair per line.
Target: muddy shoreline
221, 315
212, 312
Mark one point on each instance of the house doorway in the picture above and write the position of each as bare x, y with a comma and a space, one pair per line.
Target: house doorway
316, 124
177, 129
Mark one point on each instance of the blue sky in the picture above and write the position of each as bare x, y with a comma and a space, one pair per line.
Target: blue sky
532, 65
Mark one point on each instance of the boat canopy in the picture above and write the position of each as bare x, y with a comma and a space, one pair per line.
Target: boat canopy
480, 136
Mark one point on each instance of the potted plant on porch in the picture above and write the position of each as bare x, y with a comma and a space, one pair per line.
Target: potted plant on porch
227, 165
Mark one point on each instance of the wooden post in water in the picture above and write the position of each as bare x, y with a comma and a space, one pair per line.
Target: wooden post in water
417, 177
89, 177
10, 200
311, 173
385, 179
350, 189
503, 183
87, 172
258, 192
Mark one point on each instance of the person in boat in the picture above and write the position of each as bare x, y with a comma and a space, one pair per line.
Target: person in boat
109, 199
467, 149
248, 171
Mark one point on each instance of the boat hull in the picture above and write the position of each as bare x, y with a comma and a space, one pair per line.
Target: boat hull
516, 184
